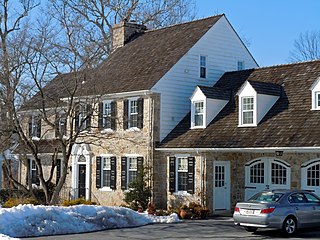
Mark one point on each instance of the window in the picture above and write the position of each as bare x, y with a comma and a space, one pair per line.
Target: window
198, 114
35, 126
130, 169
34, 172
311, 198
203, 66
247, 110
181, 174
313, 175
133, 113
83, 116
106, 172
317, 100
107, 115
278, 174
61, 124
240, 65
257, 173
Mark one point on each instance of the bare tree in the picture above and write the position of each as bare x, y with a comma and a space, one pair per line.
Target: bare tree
306, 47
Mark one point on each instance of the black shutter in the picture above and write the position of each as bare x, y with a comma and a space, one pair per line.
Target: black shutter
113, 115
172, 174
58, 171
88, 116
37, 176
100, 116
124, 173
76, 118
98, 172
190, 188
140, 113
113, 173
30, 126
38, 134
125, 114
140, 165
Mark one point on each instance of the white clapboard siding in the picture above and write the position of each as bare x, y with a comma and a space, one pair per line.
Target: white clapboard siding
223, 49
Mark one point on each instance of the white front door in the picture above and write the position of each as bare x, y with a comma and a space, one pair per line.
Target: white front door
221, 185
266, 173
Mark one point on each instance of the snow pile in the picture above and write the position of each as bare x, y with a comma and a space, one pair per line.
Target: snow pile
30, 220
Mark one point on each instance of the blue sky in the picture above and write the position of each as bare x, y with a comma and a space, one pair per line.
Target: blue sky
271, 26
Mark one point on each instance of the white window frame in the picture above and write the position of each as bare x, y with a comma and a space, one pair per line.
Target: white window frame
82, 115
131, 168
203, 66
103, 168
132, 114
177, 171
195, 114
242, 111
106, 115
35, 126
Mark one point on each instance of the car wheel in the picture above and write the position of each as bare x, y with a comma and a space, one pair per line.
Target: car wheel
289, 225
250, 229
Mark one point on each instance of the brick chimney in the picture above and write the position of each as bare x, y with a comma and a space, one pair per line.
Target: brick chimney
125, 31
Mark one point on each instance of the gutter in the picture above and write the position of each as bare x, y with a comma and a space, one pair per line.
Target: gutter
256, 150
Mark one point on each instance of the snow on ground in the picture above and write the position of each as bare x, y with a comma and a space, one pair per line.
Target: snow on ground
30, 220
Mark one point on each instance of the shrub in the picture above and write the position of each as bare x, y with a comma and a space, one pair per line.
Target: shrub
77, 201
12, 202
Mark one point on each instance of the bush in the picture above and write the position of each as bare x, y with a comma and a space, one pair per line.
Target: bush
77, 201
12, 202
139, 192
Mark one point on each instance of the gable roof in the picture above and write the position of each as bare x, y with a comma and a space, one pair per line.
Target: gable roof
289, 123
215, 92
266, 88
139, 64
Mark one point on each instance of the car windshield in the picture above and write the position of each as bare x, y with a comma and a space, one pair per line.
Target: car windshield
266, 197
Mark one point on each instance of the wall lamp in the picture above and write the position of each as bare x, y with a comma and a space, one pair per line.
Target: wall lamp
279, 153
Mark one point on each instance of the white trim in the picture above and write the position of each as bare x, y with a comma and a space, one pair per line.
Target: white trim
257, 150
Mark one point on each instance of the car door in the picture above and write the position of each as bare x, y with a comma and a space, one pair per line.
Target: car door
302, 209
314, 214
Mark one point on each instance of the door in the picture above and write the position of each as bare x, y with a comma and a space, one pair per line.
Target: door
221, 185
264, 174
82, 181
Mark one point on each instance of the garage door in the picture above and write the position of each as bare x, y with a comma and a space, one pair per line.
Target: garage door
266, 173
310, 176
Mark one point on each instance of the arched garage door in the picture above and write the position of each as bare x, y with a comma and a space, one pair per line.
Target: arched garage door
266, 173
310, 176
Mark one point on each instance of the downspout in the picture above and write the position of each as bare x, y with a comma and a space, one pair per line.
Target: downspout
150, 144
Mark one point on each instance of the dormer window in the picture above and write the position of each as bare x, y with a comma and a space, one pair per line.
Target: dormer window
315, 93
317, 100
198, 114
203, 66
247, 110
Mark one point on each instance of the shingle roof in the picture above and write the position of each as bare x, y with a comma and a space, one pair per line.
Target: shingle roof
289, 123
266, 88
139, 64
215, 92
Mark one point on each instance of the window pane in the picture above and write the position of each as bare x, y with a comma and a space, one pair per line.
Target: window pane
182, 181
182, 164
257, 173
198, 118
202, 72
313, 176
247, 117
278, 174
203, 66
134, 107
247, 104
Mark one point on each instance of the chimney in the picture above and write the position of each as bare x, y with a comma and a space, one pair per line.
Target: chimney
124, 32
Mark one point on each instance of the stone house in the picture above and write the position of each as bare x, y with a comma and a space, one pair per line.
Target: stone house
137, 97
254, 129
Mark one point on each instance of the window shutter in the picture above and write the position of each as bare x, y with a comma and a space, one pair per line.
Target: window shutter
38, 134
172, 174
140, 113
100, 116
190, 188
30, 126
37, 180
29, 172
113, 173
58, 171
125, 114
88, 116
140, 165
113, 115
76, 118
124, 173
98, 172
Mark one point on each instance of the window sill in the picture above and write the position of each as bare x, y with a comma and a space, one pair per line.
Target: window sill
105, 189
248, 125
181, 193
198, 127
133, 129
35, 138
107, 130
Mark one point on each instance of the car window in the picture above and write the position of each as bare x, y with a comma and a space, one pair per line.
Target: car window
311, 198
297, 198
266, 197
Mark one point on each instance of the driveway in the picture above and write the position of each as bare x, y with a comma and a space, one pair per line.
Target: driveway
213, 228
